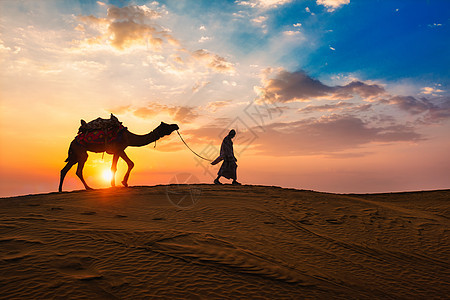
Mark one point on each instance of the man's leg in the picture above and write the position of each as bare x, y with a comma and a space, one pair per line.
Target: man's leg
235, 176
216, 181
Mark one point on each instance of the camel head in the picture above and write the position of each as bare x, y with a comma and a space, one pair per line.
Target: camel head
165, 129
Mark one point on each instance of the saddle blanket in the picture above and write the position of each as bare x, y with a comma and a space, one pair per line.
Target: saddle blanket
100, 124
100, 136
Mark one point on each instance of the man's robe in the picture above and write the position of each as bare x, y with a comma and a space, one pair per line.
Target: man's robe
229, 166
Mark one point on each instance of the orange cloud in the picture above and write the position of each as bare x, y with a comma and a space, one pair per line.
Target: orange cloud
139, 14
182, 114
127, 26
127, 33
213, 61
213, 106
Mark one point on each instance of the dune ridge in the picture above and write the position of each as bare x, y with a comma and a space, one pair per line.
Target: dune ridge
205, 242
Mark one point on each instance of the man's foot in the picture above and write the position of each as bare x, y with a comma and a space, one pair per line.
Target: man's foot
235, 182
216, 181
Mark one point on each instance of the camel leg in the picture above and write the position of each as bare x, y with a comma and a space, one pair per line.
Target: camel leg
64, 172
130, 166
81, 162
114, 169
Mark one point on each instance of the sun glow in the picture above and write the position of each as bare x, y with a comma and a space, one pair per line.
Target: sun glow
107, 175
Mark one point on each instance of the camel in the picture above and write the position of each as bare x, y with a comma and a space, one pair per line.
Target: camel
78, 153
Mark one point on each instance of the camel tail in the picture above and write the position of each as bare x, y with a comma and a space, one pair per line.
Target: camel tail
71, 153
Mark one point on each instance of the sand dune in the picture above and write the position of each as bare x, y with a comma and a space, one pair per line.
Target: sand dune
206, 242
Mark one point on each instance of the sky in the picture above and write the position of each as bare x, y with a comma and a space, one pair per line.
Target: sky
339, 96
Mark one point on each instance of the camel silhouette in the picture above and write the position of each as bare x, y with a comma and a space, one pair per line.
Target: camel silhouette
78, 153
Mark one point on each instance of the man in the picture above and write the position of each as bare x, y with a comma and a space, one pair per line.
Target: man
229, 166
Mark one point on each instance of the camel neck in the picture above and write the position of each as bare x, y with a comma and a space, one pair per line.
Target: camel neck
136, 140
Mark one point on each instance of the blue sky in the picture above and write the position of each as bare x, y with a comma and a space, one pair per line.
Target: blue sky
391, 40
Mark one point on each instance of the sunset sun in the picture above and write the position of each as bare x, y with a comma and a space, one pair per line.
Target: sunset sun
107, 175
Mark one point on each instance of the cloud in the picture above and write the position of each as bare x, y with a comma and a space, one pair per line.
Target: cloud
309, 11
332, 135
332, 5
360, 88
411, 104
329, 135
326, 107
439, 113
228, 83
432, 113
204, 39
431, 90
136, 26
127, 26
361, 108
182, 114
213, 61
127, 33
138, 14
199, 85
298, 86
287, 87
291, 32
263, 4
259, 20
215, 105
4, 48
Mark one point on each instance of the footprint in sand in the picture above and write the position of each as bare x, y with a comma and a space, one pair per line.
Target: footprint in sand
36, 215
77, 268
15, 255
88, 213
334, 221
120, 216
56, 208
305, 221
158, 219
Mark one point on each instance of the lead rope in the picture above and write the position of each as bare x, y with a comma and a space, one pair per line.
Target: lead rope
191, 149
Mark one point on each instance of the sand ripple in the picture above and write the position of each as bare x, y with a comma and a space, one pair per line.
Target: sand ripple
236, 242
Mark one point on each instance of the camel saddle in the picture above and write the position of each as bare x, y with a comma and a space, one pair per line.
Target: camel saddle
100, 131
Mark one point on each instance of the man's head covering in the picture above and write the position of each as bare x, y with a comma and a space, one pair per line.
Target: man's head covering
232, 133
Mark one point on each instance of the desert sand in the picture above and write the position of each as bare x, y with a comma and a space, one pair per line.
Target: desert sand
227, 242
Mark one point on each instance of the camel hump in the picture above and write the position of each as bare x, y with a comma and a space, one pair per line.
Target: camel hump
100, 124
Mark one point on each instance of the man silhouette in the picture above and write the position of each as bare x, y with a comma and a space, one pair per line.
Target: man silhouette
229, 166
